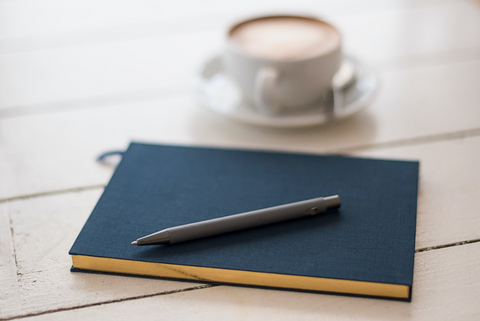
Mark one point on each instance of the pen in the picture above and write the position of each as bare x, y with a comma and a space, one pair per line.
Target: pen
240, 221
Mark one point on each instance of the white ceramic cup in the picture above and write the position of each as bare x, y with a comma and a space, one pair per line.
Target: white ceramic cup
273, 84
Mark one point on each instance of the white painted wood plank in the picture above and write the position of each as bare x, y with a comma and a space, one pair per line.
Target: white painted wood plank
446, 287
94, 70
58, 149
168, 60
30, 18
44, 229
390, 36
10, 289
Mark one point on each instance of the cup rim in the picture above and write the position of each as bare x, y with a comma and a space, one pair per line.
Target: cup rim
230, 44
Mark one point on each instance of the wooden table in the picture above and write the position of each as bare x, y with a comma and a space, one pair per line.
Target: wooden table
78, 78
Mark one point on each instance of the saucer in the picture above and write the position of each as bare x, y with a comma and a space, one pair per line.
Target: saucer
351, 94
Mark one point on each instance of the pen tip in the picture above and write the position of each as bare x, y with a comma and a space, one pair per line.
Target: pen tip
134, 243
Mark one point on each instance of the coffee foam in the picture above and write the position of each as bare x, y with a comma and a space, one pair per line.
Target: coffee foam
285, 38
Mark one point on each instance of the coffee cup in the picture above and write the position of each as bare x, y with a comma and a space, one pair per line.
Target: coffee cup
282, 63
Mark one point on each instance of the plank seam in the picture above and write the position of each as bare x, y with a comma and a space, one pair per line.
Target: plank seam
205, 286
64, 191
94, 102
414, 141
12, 232
430, 248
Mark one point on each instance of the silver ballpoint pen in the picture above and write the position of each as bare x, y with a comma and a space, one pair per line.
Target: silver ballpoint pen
240, 221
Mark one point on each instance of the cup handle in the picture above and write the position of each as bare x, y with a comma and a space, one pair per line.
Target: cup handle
264, 97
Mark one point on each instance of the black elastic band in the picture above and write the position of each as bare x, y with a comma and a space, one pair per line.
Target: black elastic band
102, 156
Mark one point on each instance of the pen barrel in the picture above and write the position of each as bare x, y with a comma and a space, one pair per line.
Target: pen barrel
255, 218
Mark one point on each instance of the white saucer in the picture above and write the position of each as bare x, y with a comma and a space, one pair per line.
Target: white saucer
218, 93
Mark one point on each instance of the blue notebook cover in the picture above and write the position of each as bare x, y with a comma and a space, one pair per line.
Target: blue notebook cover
365, 248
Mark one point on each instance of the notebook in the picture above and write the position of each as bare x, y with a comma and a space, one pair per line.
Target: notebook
365, 248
